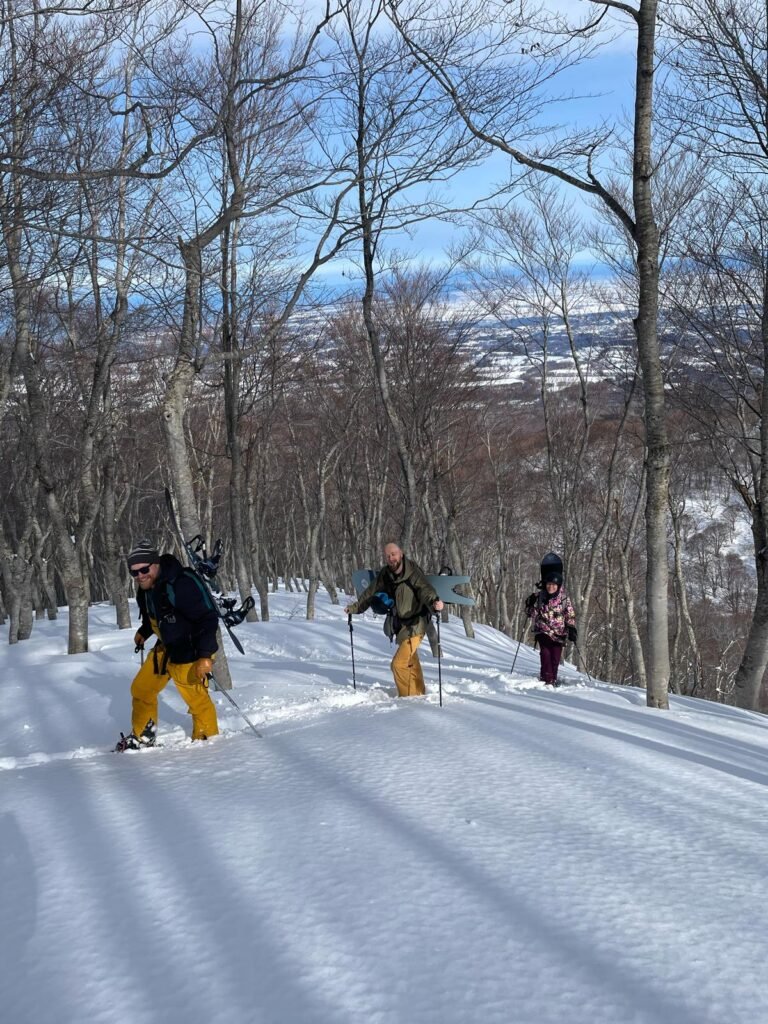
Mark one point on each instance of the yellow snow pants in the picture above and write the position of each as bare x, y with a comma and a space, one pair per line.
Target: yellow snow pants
148, 683
406, 668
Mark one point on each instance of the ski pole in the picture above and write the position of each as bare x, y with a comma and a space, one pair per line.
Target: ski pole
231, 700
139, 648
516, 654
439, 660
528, 615
352, 646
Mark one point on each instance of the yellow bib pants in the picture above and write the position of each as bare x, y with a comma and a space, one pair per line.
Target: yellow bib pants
406, 668
148, 683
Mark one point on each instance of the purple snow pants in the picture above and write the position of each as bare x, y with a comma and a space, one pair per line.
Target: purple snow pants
549, 653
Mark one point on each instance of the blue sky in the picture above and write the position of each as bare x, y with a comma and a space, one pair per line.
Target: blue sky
601, 90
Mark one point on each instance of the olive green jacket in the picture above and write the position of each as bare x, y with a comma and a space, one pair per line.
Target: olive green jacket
412, 593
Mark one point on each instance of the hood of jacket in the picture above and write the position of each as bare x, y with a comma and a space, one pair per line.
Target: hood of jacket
170, 567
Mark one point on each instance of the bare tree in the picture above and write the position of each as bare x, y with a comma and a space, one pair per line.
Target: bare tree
720, 297
248, 89
524, 274
33, 90
721, 57
474, 53
402, 139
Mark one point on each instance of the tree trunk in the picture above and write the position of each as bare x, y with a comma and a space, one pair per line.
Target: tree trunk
255, 549
174, 406
748, 682
684, 614
751, 671
382, 380
178, 390
26, 607
646, 330
452, 544
240, 543
231, 349
118, 594
624, 547
12, 594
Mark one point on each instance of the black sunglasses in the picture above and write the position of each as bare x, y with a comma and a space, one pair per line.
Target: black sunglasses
141, 571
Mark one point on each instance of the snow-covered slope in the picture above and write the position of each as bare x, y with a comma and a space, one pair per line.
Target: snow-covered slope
518, 856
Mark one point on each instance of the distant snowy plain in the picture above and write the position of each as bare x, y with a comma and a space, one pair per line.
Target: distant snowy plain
518, 856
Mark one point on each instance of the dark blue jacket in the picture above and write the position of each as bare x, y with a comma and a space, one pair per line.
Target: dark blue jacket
183, 610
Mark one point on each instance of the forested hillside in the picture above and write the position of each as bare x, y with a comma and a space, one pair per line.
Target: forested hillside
217, 253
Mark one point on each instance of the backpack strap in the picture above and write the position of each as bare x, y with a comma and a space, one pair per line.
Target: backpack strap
191, 574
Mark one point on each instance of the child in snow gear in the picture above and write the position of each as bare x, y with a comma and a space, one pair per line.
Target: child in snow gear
413, 601
553, 621
175, 606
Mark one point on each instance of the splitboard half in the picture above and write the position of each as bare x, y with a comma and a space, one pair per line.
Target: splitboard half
443, 585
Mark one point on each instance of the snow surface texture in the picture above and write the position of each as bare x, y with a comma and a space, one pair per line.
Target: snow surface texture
518, 856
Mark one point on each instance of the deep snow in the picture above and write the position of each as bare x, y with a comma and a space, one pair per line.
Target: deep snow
518, 856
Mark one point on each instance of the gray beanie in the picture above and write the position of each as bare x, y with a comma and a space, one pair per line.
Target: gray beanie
143, 553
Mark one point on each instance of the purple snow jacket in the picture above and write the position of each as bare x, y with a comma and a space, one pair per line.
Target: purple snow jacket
553, 615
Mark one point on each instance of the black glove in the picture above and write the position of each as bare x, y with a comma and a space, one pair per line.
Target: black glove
530, 601
572, 634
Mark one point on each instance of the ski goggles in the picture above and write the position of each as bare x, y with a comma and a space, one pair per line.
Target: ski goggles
142, 570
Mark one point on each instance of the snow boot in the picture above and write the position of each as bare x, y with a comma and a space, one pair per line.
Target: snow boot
129, 742
134, 742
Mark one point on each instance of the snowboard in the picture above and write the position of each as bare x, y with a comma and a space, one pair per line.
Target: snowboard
443, 585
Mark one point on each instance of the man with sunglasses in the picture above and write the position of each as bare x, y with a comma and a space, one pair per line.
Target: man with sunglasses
176, 607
